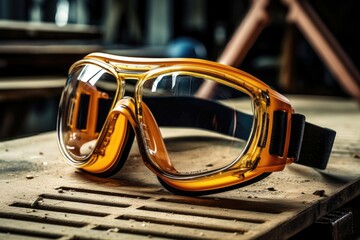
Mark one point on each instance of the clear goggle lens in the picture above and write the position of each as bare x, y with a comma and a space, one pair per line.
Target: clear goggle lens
88, 97
200, 135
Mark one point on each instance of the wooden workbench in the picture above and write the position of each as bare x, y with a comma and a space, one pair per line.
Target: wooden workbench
44, 197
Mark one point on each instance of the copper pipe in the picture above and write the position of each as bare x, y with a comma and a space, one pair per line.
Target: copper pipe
324, 43
244, 37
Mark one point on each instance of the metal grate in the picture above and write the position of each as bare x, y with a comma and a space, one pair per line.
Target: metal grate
79, 213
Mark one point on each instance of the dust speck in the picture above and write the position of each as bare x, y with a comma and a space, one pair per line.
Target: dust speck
29, 176
113, 230
320, 193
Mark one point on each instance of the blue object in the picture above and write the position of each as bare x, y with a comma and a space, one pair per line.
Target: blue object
185, 47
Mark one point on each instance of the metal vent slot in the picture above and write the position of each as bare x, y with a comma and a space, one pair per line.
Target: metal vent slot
25, 234
58, 209
84, 200
17, 219
99, 192
200, 214
227, 204
182, 224
150, 233
42, 219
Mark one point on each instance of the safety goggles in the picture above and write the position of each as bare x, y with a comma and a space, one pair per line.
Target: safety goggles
238, 133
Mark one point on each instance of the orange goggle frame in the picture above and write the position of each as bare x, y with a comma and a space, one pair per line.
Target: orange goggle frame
275, 135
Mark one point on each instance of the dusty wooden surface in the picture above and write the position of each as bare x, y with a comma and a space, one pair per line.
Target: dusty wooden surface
43, 197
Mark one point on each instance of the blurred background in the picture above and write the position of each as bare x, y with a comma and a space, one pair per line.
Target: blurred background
40, 39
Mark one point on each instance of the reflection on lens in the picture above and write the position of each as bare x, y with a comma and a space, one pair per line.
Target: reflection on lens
200, 135
88, 96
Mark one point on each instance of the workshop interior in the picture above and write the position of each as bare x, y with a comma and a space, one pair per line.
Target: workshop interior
41, 39
307, 50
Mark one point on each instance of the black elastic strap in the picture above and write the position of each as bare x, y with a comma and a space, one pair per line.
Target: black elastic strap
200, 113
310, 145
297, 133
83, 111
316, 146
278, 134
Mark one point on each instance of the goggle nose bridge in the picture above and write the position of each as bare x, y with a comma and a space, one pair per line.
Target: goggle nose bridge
147, 133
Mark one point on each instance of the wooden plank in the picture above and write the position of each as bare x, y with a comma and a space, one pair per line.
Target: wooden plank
41, 82
53, 48
11, 30
36, 182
